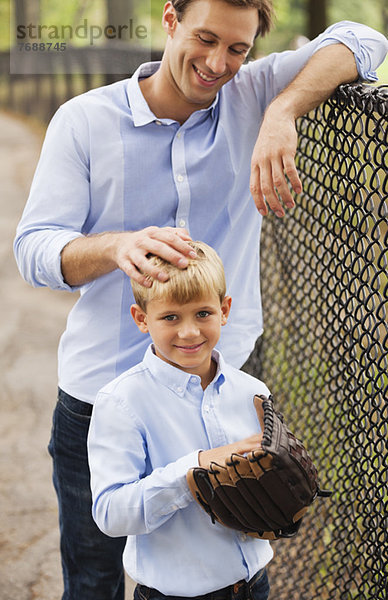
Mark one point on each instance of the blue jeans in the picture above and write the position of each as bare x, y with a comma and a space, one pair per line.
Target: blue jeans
256, 588
91, 561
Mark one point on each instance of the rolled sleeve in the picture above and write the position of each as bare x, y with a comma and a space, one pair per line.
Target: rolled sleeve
39, 258
272, 74
58, 203
368, 46
175, 475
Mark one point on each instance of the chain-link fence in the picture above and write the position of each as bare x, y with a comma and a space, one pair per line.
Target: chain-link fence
324, 350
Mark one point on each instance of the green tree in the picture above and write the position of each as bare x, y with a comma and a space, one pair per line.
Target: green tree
120, 12
26, 11
316, 17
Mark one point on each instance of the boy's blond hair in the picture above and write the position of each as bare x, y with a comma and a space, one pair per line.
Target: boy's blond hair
203, 276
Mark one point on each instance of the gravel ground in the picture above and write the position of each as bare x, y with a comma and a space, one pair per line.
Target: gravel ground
32, 321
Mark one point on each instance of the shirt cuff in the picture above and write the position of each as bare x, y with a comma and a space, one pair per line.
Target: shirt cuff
368, 46
54, 277
182, 465
362, 60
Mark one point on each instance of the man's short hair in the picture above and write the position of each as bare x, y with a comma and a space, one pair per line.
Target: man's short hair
202, 277
264, 8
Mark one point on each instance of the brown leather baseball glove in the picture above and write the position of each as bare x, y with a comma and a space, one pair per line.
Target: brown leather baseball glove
265, 493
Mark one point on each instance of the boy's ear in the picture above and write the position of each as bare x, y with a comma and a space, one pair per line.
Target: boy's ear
169, 18
225, 309
140, 317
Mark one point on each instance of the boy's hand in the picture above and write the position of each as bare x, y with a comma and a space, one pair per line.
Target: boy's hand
222, 453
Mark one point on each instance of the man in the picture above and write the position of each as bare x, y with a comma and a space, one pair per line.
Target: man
129, 170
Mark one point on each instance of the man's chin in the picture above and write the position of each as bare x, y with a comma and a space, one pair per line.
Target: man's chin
203, 99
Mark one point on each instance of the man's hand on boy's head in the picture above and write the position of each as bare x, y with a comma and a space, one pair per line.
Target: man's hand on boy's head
223, 453
132, 250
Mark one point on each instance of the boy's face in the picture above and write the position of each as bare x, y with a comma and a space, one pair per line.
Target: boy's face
184, 335
207, 47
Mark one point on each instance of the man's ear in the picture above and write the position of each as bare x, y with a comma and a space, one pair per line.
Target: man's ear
169, 18
225, 309
140, 317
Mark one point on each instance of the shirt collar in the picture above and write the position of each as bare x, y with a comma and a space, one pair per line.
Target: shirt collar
141, 112
175, 379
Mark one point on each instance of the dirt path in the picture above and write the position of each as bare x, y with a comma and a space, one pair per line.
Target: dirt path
31, 323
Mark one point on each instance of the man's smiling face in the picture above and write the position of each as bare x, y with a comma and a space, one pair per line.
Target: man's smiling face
207, 47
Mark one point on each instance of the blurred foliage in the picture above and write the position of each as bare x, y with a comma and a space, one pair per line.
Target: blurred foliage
4, 24
382, 73
291, 18
71, 12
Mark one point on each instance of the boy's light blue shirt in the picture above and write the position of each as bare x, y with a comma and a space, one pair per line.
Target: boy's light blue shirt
108, 164
147, 428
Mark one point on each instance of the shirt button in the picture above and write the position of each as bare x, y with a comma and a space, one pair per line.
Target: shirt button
158, 122
179, 135
180, 178
182, 223
179, 390
243, 537
206, 409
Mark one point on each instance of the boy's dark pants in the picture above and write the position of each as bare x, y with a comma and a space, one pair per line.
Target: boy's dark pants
91, 561
255, 589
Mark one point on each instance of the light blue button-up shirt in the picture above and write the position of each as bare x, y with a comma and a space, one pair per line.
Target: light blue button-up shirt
147, 428
108, 164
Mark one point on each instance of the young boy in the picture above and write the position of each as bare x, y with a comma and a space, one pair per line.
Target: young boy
181, 407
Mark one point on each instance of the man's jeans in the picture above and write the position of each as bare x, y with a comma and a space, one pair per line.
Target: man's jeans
91, 561
255, 589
